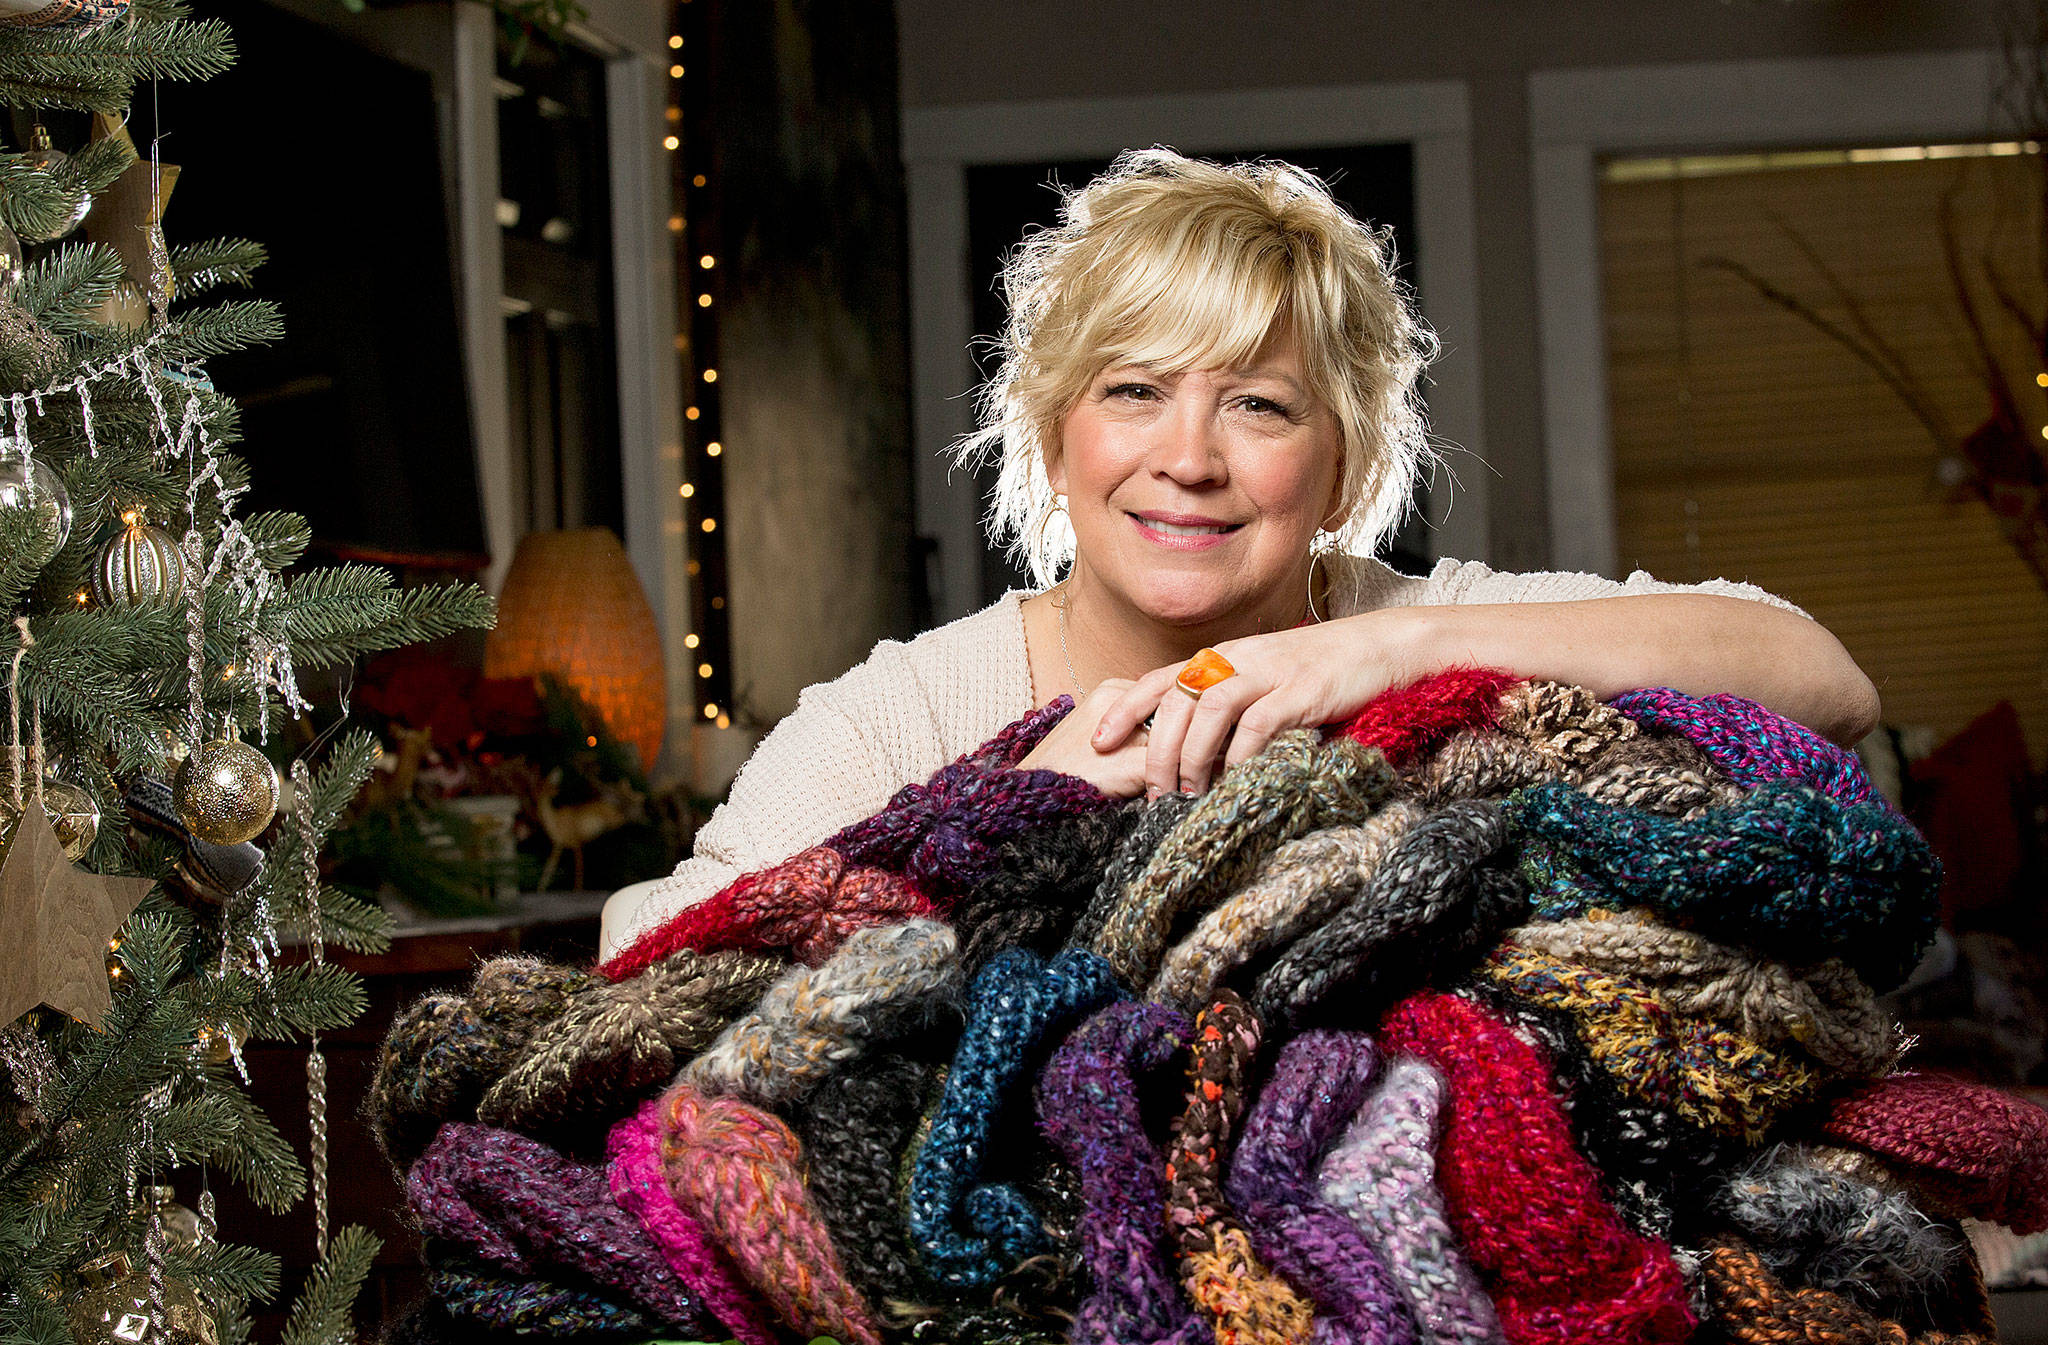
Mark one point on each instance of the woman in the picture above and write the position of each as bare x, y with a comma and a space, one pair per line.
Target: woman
1207, 416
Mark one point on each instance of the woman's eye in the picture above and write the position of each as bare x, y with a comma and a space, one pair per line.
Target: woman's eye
1264, 406
1136, 392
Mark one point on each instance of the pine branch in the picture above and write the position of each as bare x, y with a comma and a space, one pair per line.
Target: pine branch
280, 538
40, 202
332, 614
225, 1271
322, 1314
198, 267
98, 72
198, 335
60, 290
24, 550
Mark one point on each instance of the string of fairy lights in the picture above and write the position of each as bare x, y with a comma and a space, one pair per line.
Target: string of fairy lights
695, 229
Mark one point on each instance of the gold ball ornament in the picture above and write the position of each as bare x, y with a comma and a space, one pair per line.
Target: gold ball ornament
73, 814
114, 1307
225, 792
142, 567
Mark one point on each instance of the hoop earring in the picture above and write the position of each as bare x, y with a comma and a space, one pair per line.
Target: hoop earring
1045, 520
1318, 553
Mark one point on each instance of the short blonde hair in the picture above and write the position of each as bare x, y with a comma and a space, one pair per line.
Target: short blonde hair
1179, 264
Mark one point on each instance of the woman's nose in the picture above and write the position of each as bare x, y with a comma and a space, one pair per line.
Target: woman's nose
1188, 445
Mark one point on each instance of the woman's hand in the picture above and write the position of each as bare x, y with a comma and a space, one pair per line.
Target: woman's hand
1307, 676
1118, 770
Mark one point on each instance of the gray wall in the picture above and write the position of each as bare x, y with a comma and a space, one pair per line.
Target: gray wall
956, 53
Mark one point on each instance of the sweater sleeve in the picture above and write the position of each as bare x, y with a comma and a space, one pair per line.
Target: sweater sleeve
1471, 581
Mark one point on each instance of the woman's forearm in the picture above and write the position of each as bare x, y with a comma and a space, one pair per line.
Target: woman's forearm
1698, 643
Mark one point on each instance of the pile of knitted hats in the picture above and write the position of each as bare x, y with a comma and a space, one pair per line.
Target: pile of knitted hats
1497, 1014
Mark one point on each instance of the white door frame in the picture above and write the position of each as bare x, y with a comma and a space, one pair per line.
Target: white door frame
1576, 116
939, 143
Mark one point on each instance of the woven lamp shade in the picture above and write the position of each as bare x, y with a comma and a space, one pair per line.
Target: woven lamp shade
572, 606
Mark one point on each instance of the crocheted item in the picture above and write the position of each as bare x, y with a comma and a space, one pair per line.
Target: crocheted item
1712, 1076
815, 1020
943, 834
639, 1186
1752, 745
1407, 722
444, 1050
1382, 1175
1155, 819
615, 1043
1968, 1145
1038, 884
472, 1297
1296, 785
1297, 889
1749, 1305
1316, 1087
738, 1171
806, 906
1444, 890
1786, 869
1223, 1275
1822, 1008
1558, 1262
520, 1205
1088, 1108
1818, 1229
965, 1232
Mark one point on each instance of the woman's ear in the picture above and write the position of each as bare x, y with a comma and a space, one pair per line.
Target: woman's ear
1056, 469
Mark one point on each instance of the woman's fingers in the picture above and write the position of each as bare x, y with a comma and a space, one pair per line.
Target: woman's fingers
1135, 704
1163, 753
1214, 722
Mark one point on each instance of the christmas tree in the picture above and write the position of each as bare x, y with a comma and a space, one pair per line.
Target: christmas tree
153, 916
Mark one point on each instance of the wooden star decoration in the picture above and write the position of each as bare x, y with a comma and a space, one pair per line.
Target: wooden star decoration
55, 922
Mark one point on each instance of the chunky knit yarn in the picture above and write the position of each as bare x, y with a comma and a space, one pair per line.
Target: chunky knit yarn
1088, 1108
614, 1043
1566, 724
1445, 889
1297, 889
1038, 884
1968, 1145
639, 1186
1560, 1265
1382, 1175
1751, 744
815, 1020
1670, 776
1407, 722
474, 1298
804, 906
1823, 1008
1822, 1230
1316, 1087
519, 1204
855, 1130
1223, 1275
739, 1172
1156, 819
1786, 869
1296, 785
1716, 1078
1750, 1305
444, 1050
968, 1232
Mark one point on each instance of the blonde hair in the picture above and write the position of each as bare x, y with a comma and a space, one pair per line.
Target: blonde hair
1179, 264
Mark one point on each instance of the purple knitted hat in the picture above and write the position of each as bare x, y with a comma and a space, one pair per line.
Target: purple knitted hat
1751, 744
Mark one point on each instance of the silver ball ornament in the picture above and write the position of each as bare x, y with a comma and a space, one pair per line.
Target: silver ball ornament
26, 483
140, 568
225, 792
10, 263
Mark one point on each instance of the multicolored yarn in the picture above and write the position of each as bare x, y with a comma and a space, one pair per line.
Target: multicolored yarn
1634, 770
814, 1020
1670, 776
1297, 785
444, 1050
1382, 1175
967, 1232
1156, 819
1786, 869
639, 1186
1968, 1145
1818, 1229
1749, 1305
1407, 722
1039, 883
1561, 1267
805, 906
1824, 1008
1223, 1275
1317, 1085
1751, 744
1712, 1076
1088, 1108
1297, 889
615, 1043
474, 1297
855, 1130
519, 1205
739, 1172
1446, 889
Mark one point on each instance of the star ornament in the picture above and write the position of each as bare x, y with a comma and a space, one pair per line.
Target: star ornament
55, 921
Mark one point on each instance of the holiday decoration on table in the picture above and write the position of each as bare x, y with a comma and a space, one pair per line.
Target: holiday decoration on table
1500, 1015
148, 919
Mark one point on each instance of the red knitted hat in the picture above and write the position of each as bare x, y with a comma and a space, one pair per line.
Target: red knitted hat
1974, 1147
1409, 722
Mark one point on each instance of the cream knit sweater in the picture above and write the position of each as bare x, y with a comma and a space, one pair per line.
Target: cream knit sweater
910, 708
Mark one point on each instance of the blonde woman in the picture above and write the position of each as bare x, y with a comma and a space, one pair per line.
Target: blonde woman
1206, 420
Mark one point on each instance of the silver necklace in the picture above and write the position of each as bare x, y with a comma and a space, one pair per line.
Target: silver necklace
1060, 606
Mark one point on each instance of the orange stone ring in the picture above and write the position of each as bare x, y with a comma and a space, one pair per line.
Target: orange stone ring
1203, 671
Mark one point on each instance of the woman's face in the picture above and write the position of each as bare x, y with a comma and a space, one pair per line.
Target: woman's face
1194, 496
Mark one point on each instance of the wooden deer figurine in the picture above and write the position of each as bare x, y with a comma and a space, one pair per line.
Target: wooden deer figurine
574, 826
